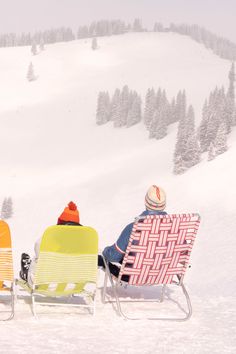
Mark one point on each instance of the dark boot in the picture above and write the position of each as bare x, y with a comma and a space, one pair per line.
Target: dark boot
25, 263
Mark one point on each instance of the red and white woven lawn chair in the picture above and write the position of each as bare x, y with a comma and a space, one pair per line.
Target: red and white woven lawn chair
157, 254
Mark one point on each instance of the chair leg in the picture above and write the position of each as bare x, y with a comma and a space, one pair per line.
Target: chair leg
162, 292
12, 305
33, 305
190, 310
104, 287
114, 287
121, 312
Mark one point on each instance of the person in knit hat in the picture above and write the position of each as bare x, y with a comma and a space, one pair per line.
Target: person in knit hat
155, 203
69, 216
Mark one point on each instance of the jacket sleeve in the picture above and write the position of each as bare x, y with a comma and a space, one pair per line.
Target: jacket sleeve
116, 252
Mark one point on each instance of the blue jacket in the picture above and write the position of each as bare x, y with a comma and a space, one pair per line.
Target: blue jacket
116, 252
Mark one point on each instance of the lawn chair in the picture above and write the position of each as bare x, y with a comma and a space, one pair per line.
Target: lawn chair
66, 267
157, 254
6, 268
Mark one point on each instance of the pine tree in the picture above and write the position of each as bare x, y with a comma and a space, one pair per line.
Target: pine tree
94, 44
115, 105
137, 25
161, 128
211, 152
134, 114
221, 139
34, 48
41, 44
7, 208
203, 127
173, 118
180, 106
121, 119
158, 126
103, 108
230, 100
30, 73
192, 153
150, 106
213, 118
179, 167
181, 133
190, 121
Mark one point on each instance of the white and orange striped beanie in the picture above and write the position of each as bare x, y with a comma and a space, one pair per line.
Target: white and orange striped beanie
155, 198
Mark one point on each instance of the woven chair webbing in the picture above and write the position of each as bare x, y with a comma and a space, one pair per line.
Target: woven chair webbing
159, 248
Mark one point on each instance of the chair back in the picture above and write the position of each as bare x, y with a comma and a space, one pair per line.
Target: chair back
6, 261
159, 248
68, 255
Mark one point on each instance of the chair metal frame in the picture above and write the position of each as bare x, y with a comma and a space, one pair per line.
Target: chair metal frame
116, 283
6, 271
10, 289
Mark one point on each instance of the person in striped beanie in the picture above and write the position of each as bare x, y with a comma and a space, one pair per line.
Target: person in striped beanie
155, 198
155, 203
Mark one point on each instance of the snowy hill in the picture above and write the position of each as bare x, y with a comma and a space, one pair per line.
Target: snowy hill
51, 150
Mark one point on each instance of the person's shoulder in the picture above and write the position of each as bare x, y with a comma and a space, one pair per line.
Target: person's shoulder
153, 212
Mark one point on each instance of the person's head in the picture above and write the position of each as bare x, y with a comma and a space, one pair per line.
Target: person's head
70, 214
155, 198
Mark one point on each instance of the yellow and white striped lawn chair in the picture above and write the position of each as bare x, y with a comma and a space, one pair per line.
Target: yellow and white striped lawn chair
6, 269
67, 265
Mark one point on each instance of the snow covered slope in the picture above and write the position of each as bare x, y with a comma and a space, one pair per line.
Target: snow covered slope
51, 150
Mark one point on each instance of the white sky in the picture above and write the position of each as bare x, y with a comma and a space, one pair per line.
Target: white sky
30, 15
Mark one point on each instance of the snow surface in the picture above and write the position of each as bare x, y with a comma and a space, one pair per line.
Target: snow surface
51, 152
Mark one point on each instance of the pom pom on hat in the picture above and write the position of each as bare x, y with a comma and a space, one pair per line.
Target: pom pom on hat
72, 206
70, 214
155, 198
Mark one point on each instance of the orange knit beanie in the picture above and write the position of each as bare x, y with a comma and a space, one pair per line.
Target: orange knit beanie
70, 213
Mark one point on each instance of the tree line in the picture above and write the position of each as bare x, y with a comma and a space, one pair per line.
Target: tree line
219, 45
124, 109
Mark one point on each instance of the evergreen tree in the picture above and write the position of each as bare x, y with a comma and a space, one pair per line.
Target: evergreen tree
150, 106
41, 44
203, 127
34, 48
103, 108
30, 73
179, 167
221, 139
181, 133
214, 118
173, 117
158, 27
121, 119
154, 124
230, 100
161, 127
211, 152
192, 153
134, 114
94, 43
7, 208
190, 122
115, 105
180, 106
137, 25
